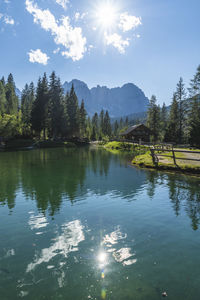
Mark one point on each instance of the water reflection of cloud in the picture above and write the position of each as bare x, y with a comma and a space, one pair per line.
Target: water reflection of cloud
114, 237
37, 222
68, 241
122, 255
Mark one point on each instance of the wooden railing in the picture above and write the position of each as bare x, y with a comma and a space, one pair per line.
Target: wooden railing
155, 152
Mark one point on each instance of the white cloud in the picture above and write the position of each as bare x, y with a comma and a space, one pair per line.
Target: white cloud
37, 56
9, 20
63, 3
56, 50
116, 41
128, 22
78, 16
64, 34
6, 1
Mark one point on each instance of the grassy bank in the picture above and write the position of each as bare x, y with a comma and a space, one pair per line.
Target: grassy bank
145, 160
124, 146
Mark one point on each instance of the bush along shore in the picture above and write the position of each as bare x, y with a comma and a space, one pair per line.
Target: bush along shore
125, 146
28, 144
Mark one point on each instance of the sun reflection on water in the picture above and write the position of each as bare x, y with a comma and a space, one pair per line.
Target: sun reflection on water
102, 259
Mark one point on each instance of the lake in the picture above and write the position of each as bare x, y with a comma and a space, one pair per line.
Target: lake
84, 224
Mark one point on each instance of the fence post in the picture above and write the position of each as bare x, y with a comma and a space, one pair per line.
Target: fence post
153, 155
174, 157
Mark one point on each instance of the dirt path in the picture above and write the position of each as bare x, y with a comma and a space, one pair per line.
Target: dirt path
191, 162
181, 161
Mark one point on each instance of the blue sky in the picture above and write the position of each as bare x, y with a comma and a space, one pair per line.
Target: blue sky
107, 42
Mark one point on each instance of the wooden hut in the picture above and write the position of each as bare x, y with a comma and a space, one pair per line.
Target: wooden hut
137, 133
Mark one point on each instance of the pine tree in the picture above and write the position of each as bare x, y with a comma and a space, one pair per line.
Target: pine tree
194, 110
101, 121
88, 128
163, 121
194, 122
11, 97
39, 114
172, 134
107, 125
83, 115
27, 99
73, 113
2, 99
95, 127
153, 118
116, 128
195, 84
3, 81
181, 97
55, 106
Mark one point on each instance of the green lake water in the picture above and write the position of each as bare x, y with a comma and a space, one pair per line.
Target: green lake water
83, 224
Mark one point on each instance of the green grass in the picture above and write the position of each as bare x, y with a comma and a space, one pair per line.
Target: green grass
123, 146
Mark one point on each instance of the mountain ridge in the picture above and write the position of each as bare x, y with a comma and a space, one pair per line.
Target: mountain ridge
119, 101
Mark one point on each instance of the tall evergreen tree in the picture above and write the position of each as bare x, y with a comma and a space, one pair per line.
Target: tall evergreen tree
95, 127
83, 115
2, 99
73, 113
153, 119
163, 121
194, 122
27, 99
195, 84
116, 128
107, 125
101, 121
39, 115
194, 110
55, 105
172, 134
3, 81
11, 97
181, 97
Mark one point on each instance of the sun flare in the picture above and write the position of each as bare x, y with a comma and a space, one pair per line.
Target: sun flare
106, 15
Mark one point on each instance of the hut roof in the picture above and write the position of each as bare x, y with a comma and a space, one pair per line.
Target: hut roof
132, 128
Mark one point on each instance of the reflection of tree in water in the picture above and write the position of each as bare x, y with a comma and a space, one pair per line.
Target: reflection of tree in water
152, 179
9, 178
186, 193
100, 161
48, 175
183, 192
51, 175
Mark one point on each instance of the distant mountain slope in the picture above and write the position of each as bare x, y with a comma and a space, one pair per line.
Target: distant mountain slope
18, 93
118, 101
140, 117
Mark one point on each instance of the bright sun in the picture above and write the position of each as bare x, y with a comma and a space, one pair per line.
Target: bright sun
106, 15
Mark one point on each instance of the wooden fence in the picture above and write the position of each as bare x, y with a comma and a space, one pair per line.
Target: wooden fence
155, 152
